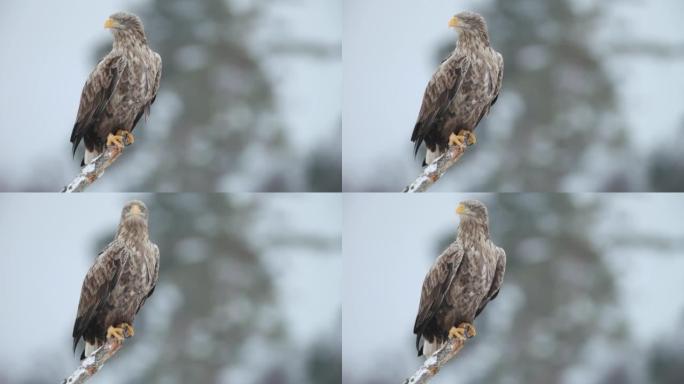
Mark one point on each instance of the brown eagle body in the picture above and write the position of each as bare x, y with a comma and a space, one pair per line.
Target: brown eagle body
461, 91
463, 279
123, 276
121, 88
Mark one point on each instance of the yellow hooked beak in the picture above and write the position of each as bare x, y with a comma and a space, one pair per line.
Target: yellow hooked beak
110, 23
460, 209
135, 210
453, 22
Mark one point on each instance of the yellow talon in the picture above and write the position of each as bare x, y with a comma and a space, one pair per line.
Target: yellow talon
470, 137
456, 140
457, 333
115, 332
129, 329
130, 139
115, 140
469, 329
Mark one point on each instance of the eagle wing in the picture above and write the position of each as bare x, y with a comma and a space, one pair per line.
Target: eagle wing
96, 94
99, 282
156, 67
499, 78
441, 89
496, 281
436, 285
155, 276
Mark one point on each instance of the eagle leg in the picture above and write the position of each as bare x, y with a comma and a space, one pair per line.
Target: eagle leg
130, 331
469, 328
130, 139
115, 332
470, 137
457, 333
115, 140
457, 140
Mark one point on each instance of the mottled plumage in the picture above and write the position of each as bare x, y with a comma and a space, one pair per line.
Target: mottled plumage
462, 89
463, 279
121, 88
123, 276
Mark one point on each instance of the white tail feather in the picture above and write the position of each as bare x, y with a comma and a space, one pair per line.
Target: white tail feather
89, 156
90, 348
430, 348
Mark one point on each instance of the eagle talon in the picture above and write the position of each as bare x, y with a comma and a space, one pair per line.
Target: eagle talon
130, 139
469, 329
457, 140
115, 140
457, 333
130, 331
115, 332
469, 136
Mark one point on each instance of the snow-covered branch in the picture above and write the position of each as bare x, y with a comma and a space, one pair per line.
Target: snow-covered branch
94, 170
433, 363
433, 171
91, 364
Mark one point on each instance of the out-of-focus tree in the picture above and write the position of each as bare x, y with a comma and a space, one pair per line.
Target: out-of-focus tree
666, 362
666, 166
324, 363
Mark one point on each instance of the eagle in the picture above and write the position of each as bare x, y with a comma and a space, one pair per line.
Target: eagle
461, 91
116, 286
120, 89
463, 279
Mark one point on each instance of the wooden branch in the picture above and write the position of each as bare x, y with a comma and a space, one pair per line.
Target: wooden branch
433, 363
94, 170
433, 171
92, 364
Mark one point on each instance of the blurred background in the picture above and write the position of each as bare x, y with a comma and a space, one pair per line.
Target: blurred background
592, 292
249, 288
250, 97
591, 99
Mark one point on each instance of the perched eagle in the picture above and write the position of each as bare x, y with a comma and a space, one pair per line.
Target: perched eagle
461, 91
463, 279
121, 279
121, 88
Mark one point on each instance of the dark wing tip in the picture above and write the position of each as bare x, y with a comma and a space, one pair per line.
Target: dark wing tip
75, 139
417, 138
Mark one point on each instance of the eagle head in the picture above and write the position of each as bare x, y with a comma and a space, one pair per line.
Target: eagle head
472, 210
469, 23
124, 24
135, 210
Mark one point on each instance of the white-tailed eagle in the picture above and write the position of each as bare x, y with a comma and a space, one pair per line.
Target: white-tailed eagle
461, 91
463, 279
123, 276
120, 89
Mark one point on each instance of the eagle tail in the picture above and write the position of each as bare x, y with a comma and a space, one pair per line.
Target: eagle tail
88, 156
89, 349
